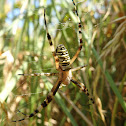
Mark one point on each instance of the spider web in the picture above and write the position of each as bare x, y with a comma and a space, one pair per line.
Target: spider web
23, 94
24, 84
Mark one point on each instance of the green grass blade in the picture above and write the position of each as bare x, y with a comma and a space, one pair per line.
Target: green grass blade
110, 80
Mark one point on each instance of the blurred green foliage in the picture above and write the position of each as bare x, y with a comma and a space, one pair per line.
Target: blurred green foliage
24, 48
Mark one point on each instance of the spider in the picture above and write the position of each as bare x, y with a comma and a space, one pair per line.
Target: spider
63, 66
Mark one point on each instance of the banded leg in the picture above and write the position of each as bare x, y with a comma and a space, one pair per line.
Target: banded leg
51, 43
83, 88
46, 101
40, 74
78, 68
80, 35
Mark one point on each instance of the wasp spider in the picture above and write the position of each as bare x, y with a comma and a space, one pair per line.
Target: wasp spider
63, 66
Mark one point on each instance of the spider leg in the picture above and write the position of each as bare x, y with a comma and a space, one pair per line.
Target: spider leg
51, 43
83, 88
80, 35
40, 74
78, 68
46, 101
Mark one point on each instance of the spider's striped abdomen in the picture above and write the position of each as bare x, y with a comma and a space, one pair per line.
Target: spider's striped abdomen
63, 57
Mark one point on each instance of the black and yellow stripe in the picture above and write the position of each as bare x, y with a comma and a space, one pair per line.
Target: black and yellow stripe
79, 24
48, 35
51, 43
40, 74
46, 101
80, 35
78, 68
83, 88
63, 64
63, 57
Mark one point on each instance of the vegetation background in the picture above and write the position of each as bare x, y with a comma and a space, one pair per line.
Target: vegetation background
24, 48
